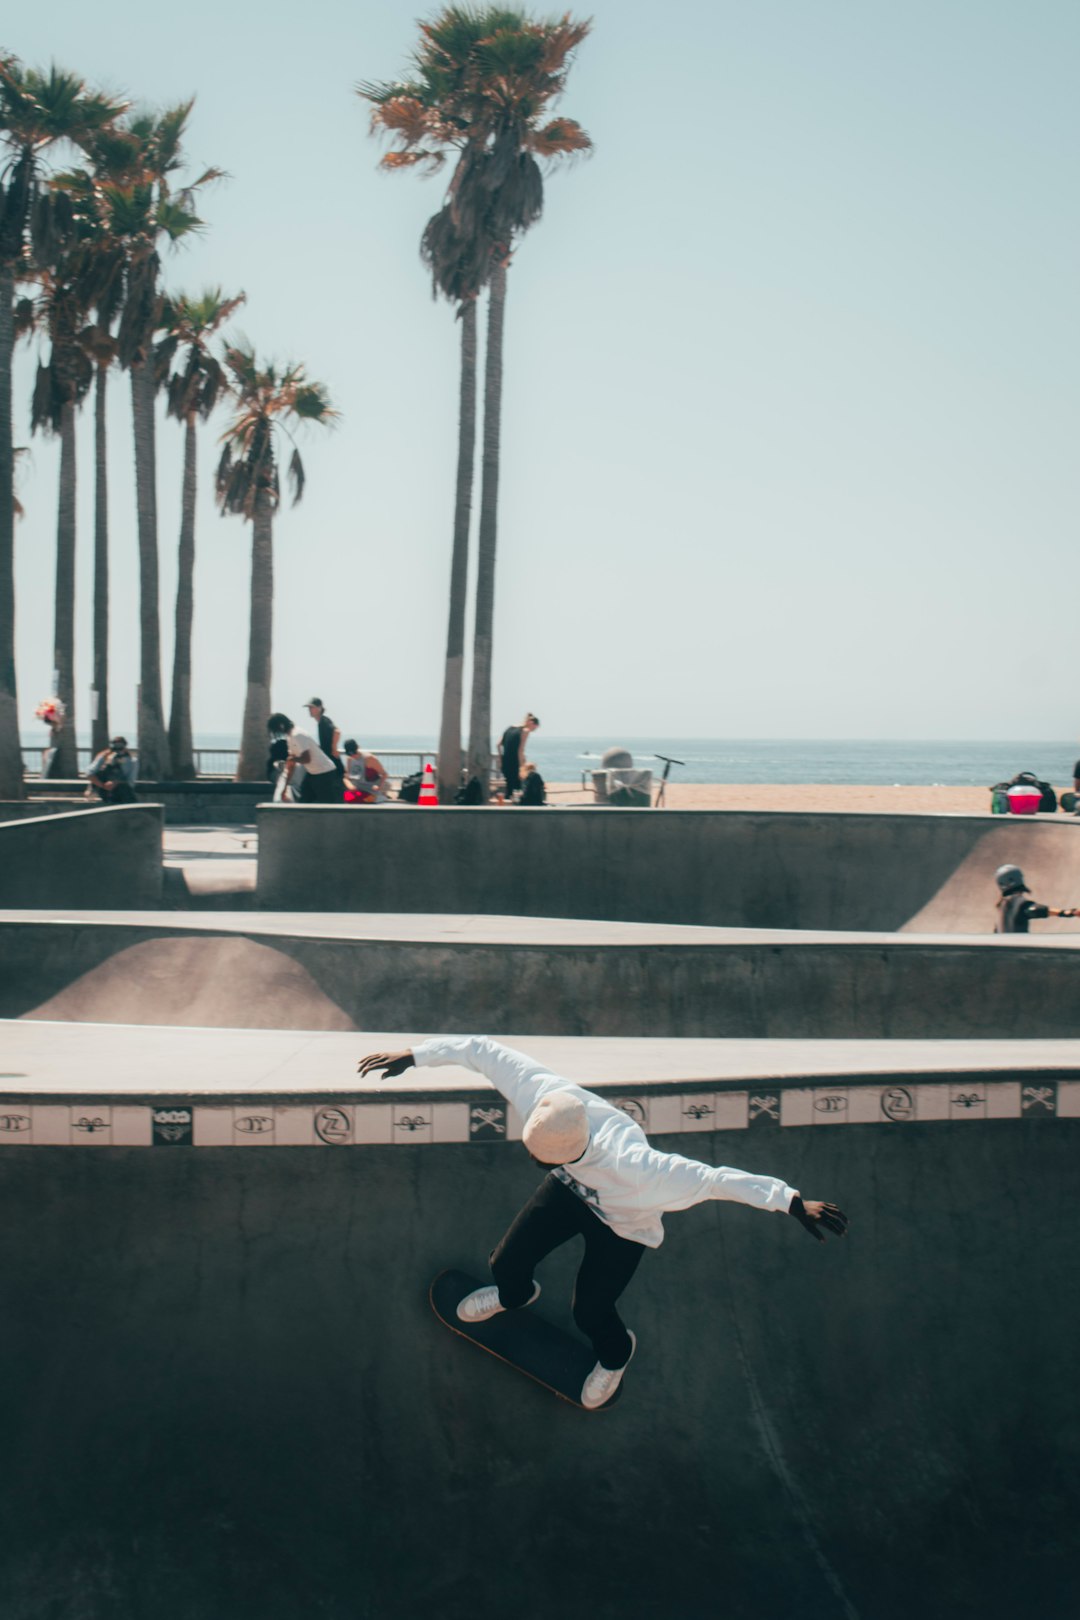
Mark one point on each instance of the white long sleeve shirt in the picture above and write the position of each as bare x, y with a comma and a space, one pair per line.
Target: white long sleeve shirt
628, 1183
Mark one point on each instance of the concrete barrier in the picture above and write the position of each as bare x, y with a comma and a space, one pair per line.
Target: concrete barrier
204, 802
742, 986
729, 868
104, 859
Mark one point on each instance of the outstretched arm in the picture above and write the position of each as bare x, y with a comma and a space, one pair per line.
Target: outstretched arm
521, 1079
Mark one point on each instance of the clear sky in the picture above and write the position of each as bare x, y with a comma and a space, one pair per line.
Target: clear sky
791, 425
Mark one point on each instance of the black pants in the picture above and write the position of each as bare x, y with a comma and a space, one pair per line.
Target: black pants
551, 1218
323, 788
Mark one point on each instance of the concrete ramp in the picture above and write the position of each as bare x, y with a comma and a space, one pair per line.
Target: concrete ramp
1048, 853
837, 871
216, 982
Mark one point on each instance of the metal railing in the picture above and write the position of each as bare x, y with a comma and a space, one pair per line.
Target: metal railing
219, 764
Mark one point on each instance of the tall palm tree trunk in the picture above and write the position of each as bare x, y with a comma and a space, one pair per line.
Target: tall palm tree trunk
181, 752
11, 772
65, 761
251, 766
480, 717
450, 729
99, 720
153, 748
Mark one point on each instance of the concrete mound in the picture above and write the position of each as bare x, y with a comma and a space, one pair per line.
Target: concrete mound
217, 983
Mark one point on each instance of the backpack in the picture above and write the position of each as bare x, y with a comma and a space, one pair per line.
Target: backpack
471, 793
410, 787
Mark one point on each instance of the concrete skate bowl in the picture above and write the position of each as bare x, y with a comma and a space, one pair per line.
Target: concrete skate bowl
731, 869
228, 1394
505, 975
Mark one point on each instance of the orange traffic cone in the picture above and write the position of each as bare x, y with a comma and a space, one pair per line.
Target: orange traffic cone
428, 796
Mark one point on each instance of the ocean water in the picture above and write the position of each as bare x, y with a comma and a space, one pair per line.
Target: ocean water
770, 759
710, 759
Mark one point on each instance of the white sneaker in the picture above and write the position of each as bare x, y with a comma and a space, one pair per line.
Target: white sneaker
483, 1303
602, 1382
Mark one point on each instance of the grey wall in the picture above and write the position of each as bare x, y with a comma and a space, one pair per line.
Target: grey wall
95, 859
227, 1394
903, 988
859, 872
199, 803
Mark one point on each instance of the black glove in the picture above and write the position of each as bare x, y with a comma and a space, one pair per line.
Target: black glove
832, 1219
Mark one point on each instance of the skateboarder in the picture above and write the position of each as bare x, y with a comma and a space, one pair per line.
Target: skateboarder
605, 1183
1015, 906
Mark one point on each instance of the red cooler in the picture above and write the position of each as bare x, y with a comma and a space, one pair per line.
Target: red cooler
1023, 801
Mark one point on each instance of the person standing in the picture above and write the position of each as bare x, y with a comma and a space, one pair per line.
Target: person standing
1015, 907
328, 734
321, 784
605, 1183
512, 751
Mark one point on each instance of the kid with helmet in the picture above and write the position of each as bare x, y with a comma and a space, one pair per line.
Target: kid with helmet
1016, 908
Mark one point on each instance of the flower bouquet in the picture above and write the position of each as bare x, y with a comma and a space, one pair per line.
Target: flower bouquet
52, 711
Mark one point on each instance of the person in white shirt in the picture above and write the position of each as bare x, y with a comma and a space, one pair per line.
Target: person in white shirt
322, 783
606, 1183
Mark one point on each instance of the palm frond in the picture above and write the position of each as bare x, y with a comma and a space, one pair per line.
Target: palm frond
559, 138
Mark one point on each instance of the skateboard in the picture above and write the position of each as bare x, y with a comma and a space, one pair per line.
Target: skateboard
522, 1339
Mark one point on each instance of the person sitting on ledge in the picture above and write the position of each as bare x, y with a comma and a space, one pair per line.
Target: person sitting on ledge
111, 774
366, 780
1015, 907
605, 1183
533, 787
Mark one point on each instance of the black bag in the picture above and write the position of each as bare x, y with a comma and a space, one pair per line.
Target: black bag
471, 793
410, 787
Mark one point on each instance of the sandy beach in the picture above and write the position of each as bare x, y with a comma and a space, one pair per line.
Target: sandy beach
892, 801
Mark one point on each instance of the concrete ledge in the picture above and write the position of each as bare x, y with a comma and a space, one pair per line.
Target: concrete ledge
106, 857
739, 869
540, 977
198, 803
55, 1063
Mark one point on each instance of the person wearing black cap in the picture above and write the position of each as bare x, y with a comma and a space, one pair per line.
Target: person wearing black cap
329, 735
1015, 906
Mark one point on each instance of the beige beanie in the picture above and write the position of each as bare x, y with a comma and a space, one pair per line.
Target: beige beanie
557, 1130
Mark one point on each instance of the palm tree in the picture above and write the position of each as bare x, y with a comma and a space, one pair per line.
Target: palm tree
60, 388
458, 263
268, 401
522, 67
101, 266
484, 84
37, 112
192, 390
141, 210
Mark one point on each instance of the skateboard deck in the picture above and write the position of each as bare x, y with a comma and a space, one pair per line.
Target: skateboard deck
522, 1339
